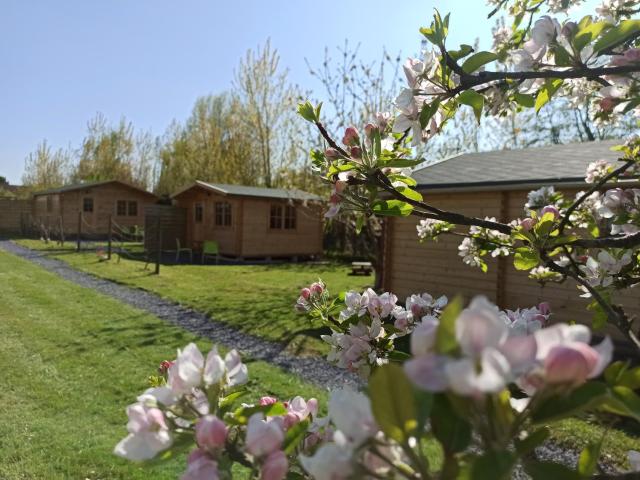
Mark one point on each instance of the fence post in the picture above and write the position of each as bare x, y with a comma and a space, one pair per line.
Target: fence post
158, 245
61, 231
109, 239
79, 231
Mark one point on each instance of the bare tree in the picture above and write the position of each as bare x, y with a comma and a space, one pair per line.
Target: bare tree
45, 168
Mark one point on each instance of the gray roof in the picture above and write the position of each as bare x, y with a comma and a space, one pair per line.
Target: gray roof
539, 165
245, 191
83, 185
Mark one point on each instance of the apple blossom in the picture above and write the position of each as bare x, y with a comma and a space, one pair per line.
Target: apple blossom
275, 466
263, 436
200, 467
148, 434
351, 137
330, 462
634, 460
211, 432
350, 413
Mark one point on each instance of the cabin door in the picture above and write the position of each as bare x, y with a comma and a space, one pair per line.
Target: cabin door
88, 209
197, 233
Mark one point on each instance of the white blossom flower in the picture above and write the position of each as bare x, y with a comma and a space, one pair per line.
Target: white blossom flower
148, 433
597, 170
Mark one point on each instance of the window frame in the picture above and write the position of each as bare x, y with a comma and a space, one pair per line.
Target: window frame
84, 205
222, 216
290, 218
198, 212
133, 203
278, 215
123, 204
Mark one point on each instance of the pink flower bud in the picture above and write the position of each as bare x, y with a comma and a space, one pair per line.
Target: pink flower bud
355, 152
528, 223
382, 119
200, 467
570, 363
317, 288
545, 308
551, 209
275, 466
263, 436
351, 136
211, 432
369, 129
305, 293
569, 29
607, 104
339, 186
164, 367
312, 406
331, 153
267, 401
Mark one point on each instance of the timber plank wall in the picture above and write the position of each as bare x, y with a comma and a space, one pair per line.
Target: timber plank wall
13, 213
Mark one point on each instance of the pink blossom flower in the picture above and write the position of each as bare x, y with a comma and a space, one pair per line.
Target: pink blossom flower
369, 129
148, 434
305, 293
355, 152
351, 137
200, 467
551, 209
570, 364
275, 466
263, 436
317, 288
330, 462
267, 401
423, 337
528, 223
350, 412
331, 153
211, 432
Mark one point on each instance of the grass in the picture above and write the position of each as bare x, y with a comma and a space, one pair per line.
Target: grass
72, 360
258, 299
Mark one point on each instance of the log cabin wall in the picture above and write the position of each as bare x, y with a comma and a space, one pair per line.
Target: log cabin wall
13, 212
436, 267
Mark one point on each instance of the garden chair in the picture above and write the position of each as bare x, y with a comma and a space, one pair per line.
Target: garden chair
210, 249
180, 249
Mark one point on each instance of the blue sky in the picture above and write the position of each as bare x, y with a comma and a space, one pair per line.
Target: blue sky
63, 61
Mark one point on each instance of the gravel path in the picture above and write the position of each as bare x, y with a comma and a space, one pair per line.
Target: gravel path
315, 370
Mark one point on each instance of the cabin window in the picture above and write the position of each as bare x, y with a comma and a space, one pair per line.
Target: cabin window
289, 217
87, 204
275, 218
198, 212
222, 212
132, 209
121, 208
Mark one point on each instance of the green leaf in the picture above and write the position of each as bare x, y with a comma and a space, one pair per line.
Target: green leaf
474, 100
630, 379
409, 193
493, 466
392, 402
424, 405
600, 317
403, 162
428, 110
524, 99
584, 397
396, 177
391, 208
452, 431
446, 334
477, 60
232, 397
561, 56
295, 435
617, 34
588, 460
586, 34
462, 52
242, 414
623, 401
550, 87
306, 111
613, 372
533, 440
525, 258
549, 471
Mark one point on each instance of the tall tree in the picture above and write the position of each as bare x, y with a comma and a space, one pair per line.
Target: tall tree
46, 168
269, 101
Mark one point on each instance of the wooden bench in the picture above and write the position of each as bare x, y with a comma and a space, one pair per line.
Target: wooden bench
361, 268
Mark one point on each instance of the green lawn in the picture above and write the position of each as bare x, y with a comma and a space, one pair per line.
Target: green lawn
259, 299
256, 298
72, 360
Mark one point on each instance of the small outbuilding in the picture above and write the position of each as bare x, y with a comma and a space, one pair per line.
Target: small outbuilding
252, 222
96, 202
490, 184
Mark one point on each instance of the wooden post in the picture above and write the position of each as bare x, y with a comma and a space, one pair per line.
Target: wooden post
109, 240
158, 245
79, 231
61, 232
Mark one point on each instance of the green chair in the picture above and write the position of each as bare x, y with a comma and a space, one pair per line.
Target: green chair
210, 249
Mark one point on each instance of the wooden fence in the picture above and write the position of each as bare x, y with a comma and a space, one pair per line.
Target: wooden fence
12, 214
164, 224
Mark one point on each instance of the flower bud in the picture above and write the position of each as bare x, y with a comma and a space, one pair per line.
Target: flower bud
339, 186
331, 153
369, 129
382, 119
317, 288
164, 367
551, 209
351, 136
570, 364
267, 400
607, 104
211, 432
305, 293
545, 308
275, 466
355, 152
528, 223
568, 30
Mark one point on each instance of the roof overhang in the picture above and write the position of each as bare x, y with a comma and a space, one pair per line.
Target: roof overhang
514, 185
63, 190
199, 184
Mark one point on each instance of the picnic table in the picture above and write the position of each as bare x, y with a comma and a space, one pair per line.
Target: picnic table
361, 268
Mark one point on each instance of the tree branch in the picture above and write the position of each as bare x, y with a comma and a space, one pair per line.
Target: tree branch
626, 241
